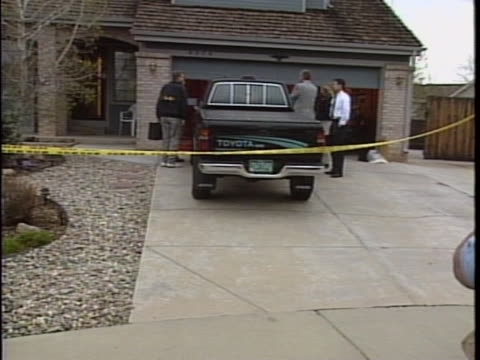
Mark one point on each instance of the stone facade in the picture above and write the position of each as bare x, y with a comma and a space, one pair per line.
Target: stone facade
394, 109
153, 71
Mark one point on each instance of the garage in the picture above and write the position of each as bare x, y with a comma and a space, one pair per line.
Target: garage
363, 83
362, 42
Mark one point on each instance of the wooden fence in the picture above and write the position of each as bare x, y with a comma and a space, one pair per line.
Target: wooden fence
454, 144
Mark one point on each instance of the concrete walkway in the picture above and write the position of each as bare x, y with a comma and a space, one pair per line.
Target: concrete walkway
362, 271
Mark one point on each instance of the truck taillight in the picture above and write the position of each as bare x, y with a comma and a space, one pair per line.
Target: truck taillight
204, 139
321, 138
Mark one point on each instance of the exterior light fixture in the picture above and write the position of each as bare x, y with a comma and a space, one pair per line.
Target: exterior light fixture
152, 66
279, 57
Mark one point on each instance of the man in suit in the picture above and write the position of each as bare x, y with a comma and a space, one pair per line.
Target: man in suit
304, 94
340, 114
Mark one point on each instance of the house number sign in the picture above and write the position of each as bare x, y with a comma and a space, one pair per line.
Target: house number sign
200, 52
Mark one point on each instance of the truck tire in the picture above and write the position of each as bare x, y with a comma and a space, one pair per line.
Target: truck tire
199, 180
302, 194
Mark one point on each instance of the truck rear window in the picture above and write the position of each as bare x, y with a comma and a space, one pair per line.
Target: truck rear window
248, 94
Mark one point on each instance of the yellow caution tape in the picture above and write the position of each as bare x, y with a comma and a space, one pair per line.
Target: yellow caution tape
51, 150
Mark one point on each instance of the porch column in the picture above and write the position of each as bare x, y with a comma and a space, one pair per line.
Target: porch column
153, 71
394, 109
51, 102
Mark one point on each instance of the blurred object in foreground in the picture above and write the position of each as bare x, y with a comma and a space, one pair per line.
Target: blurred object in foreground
464, 262
468, 345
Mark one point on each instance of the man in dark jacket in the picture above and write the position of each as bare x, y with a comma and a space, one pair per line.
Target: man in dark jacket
172, 111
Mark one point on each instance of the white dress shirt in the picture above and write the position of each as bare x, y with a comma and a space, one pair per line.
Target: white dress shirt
340, 108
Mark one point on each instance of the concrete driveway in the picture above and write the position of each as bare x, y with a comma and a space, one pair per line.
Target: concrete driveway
361, 271
381, 236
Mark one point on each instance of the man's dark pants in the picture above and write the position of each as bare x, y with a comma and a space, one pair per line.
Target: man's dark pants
339, 137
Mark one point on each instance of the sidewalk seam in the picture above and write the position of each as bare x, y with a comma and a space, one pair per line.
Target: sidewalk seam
350, 341
208, 280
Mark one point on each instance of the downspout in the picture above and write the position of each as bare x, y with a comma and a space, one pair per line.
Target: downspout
409, 99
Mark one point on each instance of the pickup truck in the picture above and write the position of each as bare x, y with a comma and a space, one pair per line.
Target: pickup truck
253, 115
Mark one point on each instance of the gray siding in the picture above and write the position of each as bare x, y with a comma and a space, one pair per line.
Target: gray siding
207, 69
279, 5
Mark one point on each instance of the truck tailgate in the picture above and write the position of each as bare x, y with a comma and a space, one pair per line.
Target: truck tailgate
260, 130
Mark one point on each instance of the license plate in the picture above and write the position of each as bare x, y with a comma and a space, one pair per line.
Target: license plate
260, 166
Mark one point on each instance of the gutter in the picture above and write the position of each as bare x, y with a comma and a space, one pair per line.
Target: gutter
222, 40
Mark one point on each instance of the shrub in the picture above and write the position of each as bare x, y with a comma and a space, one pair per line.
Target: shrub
27, 240
19, 198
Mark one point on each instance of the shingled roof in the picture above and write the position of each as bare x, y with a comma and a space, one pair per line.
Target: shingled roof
68, 10
364, 22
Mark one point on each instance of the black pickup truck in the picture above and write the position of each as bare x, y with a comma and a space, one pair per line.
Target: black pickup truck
253, 115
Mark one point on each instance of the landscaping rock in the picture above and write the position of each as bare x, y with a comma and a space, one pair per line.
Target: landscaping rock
23, 228
8, 172
86, 278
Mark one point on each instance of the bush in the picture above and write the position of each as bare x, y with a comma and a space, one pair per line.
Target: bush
27, 240
19, 198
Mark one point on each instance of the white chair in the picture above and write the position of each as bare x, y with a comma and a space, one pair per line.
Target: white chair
128, 117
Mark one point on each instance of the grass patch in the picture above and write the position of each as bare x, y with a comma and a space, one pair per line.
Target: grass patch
30, 239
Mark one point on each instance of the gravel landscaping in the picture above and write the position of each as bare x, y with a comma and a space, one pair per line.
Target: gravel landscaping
86, 278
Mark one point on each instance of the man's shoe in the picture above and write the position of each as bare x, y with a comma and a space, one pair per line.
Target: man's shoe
163, 164
336, 175
179, 160
329, 172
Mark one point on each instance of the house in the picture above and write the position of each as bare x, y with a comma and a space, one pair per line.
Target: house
144, 41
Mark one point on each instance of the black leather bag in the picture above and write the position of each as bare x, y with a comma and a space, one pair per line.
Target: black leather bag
155, 131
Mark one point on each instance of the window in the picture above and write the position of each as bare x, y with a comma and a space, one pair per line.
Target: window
275, 96
88, 103
125, 77
250, 94
240, 94
256, 94
221, 94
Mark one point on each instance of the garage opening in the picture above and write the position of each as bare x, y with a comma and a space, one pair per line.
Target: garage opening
363, 84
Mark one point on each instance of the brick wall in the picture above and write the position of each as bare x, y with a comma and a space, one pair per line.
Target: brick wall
153, 71
47, 83
52, 107
394, 108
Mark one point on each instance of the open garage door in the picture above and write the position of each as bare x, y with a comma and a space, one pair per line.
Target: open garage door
363, 83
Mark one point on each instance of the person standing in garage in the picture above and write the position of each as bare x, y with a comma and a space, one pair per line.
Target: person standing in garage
322, 114
304, 94
172, 111
340, 114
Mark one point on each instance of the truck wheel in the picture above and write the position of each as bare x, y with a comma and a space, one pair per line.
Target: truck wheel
301, 188
202, 184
